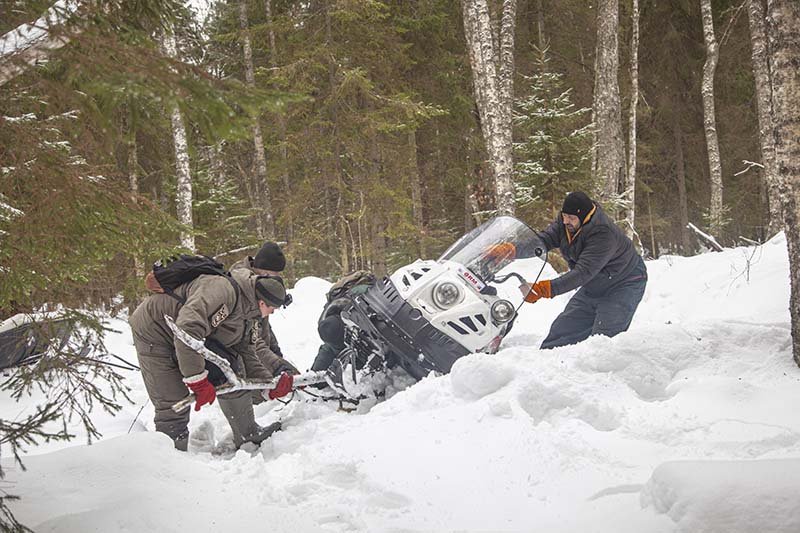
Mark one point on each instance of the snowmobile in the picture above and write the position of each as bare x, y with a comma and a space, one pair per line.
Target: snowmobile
427, 315
422, 318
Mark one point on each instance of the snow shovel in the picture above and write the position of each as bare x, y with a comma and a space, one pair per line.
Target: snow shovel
235, 383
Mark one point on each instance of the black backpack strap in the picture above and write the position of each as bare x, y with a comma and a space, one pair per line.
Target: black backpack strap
235, 289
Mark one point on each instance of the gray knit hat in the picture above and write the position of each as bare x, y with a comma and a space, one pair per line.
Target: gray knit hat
270, 290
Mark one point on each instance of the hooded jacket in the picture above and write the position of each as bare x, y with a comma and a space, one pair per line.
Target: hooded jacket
600, 256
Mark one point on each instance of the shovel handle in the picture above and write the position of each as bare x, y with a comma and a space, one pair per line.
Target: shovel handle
300, 380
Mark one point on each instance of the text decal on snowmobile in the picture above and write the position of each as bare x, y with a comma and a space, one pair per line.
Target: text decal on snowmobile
471, 278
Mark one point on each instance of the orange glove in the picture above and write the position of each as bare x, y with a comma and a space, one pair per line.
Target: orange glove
501, 251
540, 289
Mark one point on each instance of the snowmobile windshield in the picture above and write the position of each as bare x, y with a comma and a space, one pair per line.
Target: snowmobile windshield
494, 244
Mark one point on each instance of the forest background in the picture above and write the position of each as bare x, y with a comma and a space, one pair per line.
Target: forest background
363, 134
348, 131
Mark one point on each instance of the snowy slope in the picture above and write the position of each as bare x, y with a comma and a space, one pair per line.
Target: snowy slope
685, 423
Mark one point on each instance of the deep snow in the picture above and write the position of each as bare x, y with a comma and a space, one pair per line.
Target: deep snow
688, 422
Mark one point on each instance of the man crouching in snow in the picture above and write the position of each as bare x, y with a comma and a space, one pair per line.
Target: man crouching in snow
602, 261
208, 307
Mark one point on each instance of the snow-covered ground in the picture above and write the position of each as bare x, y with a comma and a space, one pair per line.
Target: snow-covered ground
688, 422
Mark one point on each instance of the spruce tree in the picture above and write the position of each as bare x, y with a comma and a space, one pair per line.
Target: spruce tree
554, 143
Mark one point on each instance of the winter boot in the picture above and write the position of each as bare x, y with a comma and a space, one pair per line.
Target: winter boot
238, 409
182, 441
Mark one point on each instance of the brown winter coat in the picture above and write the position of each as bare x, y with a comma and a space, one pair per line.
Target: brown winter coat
266, 331
211, 309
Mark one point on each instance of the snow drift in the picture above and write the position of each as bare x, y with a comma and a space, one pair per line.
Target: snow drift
685, 423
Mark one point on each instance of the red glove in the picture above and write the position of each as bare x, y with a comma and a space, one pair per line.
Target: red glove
204, 391
540, 289
284, 387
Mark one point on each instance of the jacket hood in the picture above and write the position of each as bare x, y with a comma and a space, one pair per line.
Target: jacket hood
246, 280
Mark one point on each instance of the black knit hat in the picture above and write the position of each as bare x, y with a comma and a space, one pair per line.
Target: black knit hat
578, 204
270, 257
270, 290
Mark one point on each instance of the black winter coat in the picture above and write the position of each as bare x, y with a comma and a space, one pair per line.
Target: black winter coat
600, 255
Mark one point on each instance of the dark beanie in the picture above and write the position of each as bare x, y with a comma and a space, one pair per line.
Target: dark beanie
270, 257
578, 204
270, 290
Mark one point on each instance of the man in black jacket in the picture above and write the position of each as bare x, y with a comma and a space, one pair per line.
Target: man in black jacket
602, 262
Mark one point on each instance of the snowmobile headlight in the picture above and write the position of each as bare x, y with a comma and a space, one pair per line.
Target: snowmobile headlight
502, 311
445, 294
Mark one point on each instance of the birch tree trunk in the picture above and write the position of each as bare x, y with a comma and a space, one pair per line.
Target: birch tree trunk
283, 151
183, 196
609, 146
758, 40
710, 119
630, 178
263, 203
27, 44
493, 80
784, 43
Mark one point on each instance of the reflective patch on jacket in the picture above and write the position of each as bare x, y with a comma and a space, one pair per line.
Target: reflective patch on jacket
255, 332
219, 315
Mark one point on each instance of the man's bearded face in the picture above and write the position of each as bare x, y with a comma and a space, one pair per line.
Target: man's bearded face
572, 222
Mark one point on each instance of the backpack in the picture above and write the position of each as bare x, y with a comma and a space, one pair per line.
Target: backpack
171, 273
343, 286
338, 297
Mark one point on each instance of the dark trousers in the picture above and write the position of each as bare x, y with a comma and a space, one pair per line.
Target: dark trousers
587, 315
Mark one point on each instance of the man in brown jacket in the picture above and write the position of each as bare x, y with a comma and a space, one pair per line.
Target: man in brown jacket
226, 312
268, 261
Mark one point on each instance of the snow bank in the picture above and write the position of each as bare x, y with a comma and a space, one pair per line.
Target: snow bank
139, 483
730, 496
699, 397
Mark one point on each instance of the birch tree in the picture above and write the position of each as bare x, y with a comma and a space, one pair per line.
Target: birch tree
183, 196
609, 148
265, 223
758, 40
630, 178
784, 42
715, 215
491, 51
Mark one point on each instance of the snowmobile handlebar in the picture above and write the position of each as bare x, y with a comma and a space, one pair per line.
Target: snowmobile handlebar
503, 279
